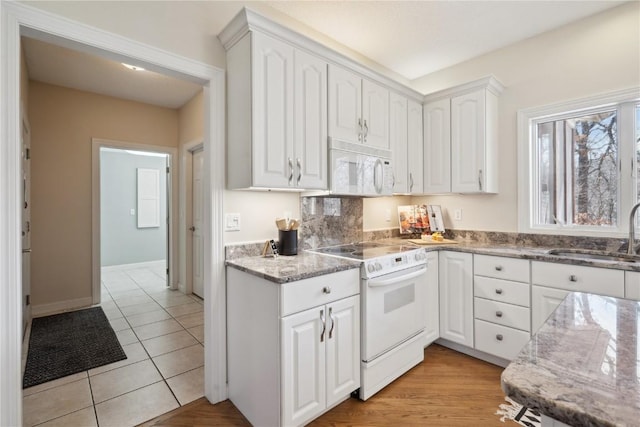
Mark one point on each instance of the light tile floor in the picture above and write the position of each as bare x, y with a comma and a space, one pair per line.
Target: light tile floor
162, 333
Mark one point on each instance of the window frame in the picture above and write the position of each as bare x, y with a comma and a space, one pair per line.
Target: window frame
624, 102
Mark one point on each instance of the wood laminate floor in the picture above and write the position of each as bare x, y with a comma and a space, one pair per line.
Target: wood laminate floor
447, 389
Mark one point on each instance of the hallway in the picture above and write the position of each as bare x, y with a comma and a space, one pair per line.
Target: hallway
162, 333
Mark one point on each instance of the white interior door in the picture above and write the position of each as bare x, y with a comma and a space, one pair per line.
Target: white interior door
196, 227
26, 223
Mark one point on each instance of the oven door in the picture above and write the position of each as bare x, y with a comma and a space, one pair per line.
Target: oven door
393, 310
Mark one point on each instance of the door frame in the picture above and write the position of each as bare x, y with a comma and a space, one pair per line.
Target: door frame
22, 19
185, 283
172, 191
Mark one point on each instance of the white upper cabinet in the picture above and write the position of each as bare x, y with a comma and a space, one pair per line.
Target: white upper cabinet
358, 109
473, 143
272, 110
437, 146
415, 148
310, 120
277, 116
405, 132
461, 146
345, 100
398, 129
375, 115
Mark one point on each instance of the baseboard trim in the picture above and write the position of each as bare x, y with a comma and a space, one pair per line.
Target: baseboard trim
495, 360
60, 306
147, 264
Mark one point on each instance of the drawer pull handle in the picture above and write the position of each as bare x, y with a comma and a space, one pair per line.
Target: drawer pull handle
324, 325
573, 278
499, 337
326, 290
498, 314
498, 268
499, 291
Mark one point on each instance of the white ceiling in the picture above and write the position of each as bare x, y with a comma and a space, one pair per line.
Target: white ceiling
410, 38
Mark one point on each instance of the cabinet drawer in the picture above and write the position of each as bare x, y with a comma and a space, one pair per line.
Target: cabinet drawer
307, 293
501, 290
499, 340
510, 315
578, 278
501, 267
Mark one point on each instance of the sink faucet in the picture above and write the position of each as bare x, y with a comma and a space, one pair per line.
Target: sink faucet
632, 229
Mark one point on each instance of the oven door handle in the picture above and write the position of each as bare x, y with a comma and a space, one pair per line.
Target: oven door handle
373, 283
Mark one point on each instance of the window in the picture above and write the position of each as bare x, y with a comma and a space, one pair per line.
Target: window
577, 170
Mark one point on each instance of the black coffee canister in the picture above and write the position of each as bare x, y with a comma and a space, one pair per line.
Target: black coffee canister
288, 242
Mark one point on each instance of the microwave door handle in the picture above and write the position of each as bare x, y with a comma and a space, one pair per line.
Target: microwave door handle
387, 282
377, 179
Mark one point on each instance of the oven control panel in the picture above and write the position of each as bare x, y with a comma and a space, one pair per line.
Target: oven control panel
393, 262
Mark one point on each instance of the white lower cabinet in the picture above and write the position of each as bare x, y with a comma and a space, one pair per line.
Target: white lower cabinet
632, 285
552, 282
432, 307
544, 301
320, 359
294, 348
501, 305
456, 297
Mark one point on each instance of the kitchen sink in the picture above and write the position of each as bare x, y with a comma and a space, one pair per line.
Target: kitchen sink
595, 255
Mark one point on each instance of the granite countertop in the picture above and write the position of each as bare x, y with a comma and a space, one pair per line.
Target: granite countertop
581, 367
284, 269
307, 264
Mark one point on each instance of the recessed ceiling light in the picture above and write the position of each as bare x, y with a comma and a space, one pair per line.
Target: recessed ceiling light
133, 67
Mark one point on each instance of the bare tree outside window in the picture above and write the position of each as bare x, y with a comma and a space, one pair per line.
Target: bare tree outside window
578, 170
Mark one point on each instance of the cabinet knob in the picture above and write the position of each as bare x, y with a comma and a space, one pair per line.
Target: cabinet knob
498, 314
499, 337
326, 290
499, 291
498, 268
573, 278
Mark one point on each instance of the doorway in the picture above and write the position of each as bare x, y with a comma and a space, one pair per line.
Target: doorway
22, 19
135, 211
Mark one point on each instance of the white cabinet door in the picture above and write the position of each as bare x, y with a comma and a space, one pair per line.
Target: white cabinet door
310, 122
343, 348
398, 127
632, 285
272, 110
437, 146
467, 142
303, 366
345, 104
456, 297
544, 301
415, 148
432, 307
375, 115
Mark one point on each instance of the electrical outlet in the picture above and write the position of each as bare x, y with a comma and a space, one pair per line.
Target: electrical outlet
387, 216
232, 222
457, 214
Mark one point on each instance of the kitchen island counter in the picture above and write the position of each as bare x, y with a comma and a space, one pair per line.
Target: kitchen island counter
283, 269
581, 367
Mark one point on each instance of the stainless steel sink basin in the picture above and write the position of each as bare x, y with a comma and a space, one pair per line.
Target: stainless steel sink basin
594, 255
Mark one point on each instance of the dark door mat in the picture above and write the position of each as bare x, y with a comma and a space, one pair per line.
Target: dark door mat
68, 343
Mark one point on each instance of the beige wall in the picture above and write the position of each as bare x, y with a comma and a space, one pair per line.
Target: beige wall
24, 83
592, 56
63, 121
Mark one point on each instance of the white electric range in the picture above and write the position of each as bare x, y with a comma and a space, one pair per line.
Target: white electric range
392, 295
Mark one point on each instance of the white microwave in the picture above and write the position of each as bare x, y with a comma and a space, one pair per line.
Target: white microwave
357, 170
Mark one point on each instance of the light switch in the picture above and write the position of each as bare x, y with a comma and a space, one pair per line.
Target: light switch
133, 212
232, 222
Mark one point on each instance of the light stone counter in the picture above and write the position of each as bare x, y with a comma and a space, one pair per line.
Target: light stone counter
582, 367
285, 269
